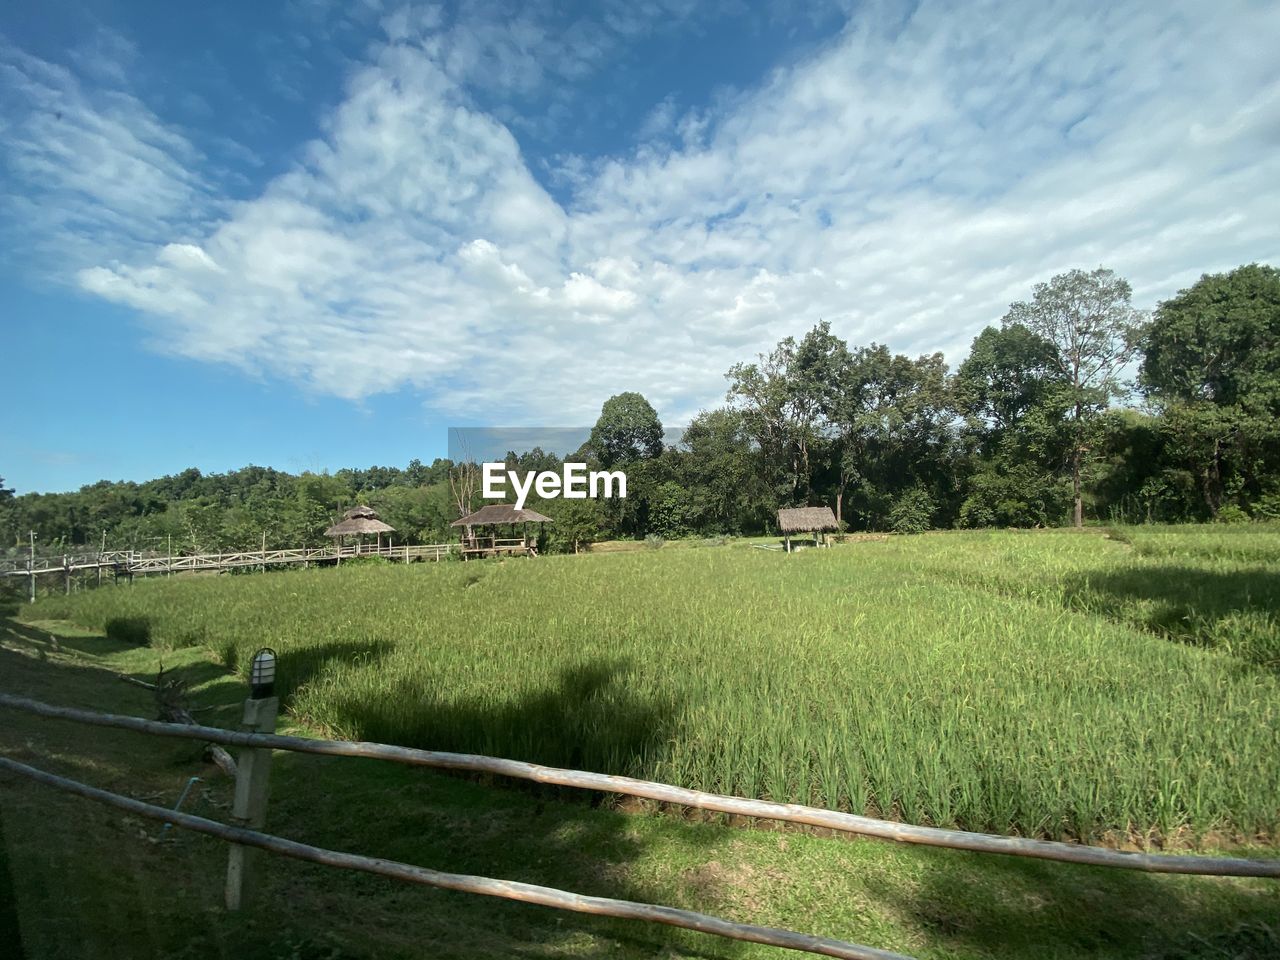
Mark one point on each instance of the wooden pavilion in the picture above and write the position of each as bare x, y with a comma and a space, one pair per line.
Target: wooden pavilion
359, 522
480, 536
815, 520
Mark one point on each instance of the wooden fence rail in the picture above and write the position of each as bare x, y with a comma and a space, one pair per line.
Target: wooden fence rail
788, 812
466, 883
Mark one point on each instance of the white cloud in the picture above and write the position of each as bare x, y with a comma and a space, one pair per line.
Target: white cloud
87, 167
905, 182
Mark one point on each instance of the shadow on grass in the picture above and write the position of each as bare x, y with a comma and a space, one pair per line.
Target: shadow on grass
447, 823
1237, 611
298, 667
130, 630
491, 826
375, 808
40, 639
588, 718
1005, 906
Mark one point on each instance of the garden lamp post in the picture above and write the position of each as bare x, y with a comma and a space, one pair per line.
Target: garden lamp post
253, 774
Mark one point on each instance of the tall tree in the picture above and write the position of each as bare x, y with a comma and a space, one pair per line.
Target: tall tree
721, 467
1091, 321
781, 398
893, 416
1211, 364
1009, 391
1009, 372
628, 429
627, 435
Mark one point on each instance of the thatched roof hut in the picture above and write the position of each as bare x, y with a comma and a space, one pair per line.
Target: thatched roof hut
499, 513
806, 519
815, 520
358, 521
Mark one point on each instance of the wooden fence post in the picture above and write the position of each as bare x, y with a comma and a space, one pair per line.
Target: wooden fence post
249, 808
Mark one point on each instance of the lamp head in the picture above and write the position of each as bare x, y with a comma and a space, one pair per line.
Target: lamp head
262, 674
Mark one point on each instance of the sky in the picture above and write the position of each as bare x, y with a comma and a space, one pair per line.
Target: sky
315, 234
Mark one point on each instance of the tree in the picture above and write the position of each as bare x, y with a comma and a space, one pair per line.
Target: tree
464, 486
892, 415
721, 468
628, 434
8, 533
1090, 320
577, 522
1009, 372
1010, 392
820, 379
670, 510
1211, 364
628, 429
781, 400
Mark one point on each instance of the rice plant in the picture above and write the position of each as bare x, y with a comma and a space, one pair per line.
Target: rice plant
1048, 684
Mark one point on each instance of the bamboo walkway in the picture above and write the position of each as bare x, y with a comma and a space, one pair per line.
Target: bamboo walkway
133, 562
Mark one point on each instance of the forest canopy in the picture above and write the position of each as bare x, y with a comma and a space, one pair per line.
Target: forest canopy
1076, 407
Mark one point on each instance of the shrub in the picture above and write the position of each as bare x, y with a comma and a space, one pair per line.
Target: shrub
1231, 513
912, 512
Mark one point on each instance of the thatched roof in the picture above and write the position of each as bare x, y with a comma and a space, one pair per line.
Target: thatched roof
806, 519
359, 520
496, 513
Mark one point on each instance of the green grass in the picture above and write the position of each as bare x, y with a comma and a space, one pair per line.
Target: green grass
88, 882
1050, 684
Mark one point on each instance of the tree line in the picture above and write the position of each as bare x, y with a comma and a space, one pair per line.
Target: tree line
1076, 407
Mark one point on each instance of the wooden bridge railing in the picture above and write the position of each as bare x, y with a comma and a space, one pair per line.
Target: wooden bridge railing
136, 562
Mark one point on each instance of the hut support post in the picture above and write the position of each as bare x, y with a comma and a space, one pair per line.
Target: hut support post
788, 536
249, 808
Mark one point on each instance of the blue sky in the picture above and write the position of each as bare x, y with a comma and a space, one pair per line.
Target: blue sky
317, 234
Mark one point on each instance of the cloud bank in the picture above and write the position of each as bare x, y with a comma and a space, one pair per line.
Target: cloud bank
906, 181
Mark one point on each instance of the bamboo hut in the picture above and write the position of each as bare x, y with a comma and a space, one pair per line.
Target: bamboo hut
480, 537
359, 522
815, 520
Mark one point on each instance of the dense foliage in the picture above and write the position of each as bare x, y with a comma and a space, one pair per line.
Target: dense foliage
1039, 426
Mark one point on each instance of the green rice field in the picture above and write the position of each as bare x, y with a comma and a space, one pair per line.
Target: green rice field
1121, 686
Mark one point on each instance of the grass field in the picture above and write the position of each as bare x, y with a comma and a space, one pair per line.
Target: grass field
86, 882
1050, 684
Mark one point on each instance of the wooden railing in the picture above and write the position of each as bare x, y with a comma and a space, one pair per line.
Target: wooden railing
136, 562
485, 886
792, 813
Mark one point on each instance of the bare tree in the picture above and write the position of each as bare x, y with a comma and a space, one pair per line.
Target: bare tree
464, 476
1091, 321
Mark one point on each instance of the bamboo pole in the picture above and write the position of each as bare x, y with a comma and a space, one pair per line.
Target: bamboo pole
465, 883
768, 810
